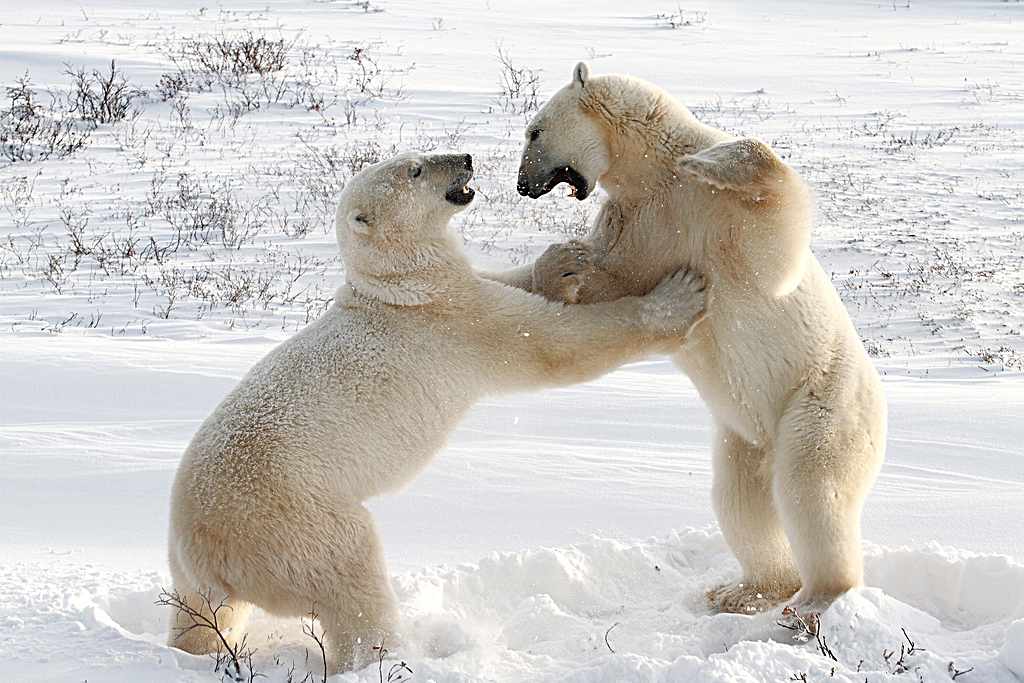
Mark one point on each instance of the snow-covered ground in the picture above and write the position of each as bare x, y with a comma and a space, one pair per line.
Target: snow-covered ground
564, 535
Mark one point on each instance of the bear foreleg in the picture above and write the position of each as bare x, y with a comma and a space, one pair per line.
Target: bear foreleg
561, 270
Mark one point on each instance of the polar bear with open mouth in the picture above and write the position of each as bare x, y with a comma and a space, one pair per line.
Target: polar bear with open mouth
799, 413
267, 506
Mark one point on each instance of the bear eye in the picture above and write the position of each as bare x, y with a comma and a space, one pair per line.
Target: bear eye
534, 134
417, 172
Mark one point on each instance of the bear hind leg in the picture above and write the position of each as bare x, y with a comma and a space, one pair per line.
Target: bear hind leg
201, 614
823, 470
745, 508
357, 608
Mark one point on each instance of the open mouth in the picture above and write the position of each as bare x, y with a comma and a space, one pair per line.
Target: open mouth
566, 174
461, 193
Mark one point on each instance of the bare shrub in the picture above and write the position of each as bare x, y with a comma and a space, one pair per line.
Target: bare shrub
397, 672
1003, 356
954, 672
310, 630
201, 211
170, 85
900, 665
902, 142
235, 661
682, 19
255, 71
316, 76
16, 196
804, 627
30, 131
448, 138
520, 87
102, 98
369, 77
249, 66
229, 59
738, 115
807, 626
321, 171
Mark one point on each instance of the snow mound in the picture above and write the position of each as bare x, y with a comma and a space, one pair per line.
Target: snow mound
604, 610
600, 610
960, 588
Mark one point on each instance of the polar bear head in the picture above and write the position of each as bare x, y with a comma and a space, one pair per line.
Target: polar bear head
607, 127
564, 143
392, 223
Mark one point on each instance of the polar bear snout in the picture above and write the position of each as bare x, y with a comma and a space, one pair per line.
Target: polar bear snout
537, 185
466, 161
461, 166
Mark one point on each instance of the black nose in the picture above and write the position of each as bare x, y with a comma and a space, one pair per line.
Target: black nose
467, 162
523, 187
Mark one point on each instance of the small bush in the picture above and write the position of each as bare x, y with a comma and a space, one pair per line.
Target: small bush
680, 18
202, 212
171, 84
235, 661
321, 171
30, 131
102, 98
228, 60
520, 87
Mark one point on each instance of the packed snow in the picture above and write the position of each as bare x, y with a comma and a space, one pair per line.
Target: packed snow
148, 261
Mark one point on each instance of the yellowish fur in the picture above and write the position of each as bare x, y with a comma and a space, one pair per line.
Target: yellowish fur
267, 505
800, 418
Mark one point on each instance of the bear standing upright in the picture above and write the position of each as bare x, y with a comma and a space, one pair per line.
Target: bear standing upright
798, 408
267, 505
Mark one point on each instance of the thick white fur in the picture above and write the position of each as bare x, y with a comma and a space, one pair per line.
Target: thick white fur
800, 418
266, 508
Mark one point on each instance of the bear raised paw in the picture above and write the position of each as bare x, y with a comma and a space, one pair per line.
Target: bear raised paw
267, 505
799, 414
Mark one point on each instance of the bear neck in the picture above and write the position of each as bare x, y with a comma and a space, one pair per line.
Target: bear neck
411, 278
647, 131
401, 292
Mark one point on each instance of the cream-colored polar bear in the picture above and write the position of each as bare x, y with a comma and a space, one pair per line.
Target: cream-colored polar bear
266, 508
798, 407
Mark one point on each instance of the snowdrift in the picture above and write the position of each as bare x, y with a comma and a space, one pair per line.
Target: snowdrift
600, 610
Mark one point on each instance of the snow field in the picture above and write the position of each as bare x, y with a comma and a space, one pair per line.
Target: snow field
517, 555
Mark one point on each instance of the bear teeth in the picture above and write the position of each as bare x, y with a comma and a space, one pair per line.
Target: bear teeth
465, 189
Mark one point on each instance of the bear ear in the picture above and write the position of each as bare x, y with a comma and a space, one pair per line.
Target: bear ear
581, 75
358, 221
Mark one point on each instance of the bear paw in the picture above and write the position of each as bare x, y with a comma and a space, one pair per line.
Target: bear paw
561, 270
745, 598
677, 304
